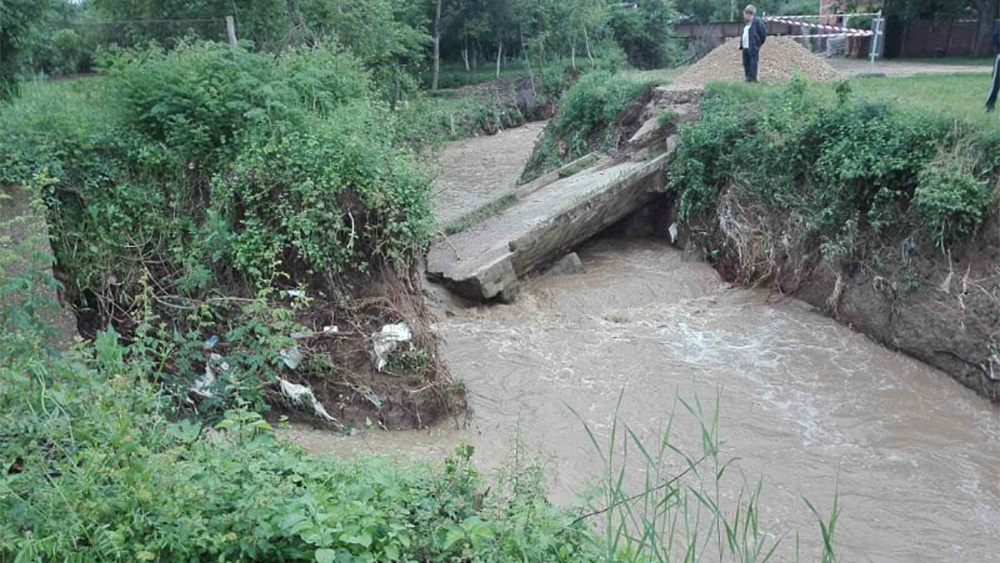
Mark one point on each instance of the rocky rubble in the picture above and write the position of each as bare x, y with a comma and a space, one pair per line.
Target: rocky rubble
780, 59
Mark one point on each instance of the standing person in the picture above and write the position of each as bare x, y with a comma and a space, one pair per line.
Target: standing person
754, 35
991, 98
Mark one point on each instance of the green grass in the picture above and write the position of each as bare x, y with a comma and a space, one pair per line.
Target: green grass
962, 61
454, 75
956, 96
491, 209
657, 76
678, 511
953, 96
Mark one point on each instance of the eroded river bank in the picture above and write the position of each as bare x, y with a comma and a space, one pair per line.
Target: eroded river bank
806, 403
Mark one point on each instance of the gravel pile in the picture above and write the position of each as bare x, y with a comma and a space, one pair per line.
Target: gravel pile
780, 59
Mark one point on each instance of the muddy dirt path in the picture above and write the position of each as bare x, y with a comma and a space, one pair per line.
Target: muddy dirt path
852, 67
477, 171
808, 405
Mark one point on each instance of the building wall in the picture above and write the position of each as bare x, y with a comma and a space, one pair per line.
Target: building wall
933, 39
913, 39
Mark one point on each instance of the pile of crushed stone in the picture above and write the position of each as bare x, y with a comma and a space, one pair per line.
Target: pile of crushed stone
780, 59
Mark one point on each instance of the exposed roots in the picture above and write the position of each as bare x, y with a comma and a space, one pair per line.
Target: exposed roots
833, 302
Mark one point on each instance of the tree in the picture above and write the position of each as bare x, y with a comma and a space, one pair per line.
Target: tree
645, 32
437, 44
388, 36
17, 20
988, 11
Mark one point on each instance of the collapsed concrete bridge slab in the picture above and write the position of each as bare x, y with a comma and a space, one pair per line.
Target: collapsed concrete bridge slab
486, 261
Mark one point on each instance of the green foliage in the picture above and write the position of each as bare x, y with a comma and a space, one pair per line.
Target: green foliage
429, 120
17, 20
645, 33
665, 118
586, 120
192, 176
389, 36
93, 468
593, 104
953, 200
840, 169
200, 97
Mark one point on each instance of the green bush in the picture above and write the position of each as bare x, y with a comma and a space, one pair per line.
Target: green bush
840, 168
93, 471
202, 97
645, 32
191, 181
585, 122
593, 104
952, 201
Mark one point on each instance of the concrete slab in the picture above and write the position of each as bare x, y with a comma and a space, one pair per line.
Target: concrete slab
485, 262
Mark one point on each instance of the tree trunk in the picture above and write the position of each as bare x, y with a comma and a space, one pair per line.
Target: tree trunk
295, 15
499, 56
572, 55
437, 46
465, 53
590, 54
987, 10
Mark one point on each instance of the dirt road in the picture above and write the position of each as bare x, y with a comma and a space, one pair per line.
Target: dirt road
854, 67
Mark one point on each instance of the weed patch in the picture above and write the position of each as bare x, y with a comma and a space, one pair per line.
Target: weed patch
585, 122
791, 169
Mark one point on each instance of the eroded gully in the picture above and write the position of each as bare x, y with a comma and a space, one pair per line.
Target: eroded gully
809, 405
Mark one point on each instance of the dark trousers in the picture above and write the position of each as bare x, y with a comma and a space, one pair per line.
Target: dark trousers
750, 60
991, 98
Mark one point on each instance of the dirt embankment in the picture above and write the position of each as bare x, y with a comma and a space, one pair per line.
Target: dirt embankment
938, 304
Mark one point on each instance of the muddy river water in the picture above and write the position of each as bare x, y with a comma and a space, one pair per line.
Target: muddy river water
809, 405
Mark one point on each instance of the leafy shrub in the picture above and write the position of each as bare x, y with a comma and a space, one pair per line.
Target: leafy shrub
92, 468
66, 52
201, 96
839, 169
952, 200
190, 177
585, 122
593, 104
645, 32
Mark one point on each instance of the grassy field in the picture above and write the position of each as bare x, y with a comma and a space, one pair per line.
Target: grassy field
454, 75
954, 96
958, 96
962, 61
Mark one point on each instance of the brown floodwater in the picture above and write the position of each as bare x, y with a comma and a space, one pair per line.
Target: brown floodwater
808, 405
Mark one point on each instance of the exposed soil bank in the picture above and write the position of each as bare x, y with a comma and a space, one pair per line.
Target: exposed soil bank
939, 306
811, 407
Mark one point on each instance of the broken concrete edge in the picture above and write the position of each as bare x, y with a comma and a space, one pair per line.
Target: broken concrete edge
496, 280
26, 238
563, 171
528, 256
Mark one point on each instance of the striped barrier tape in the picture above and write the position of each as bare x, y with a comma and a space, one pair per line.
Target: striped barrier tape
833, 28
825, 35
825, 16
